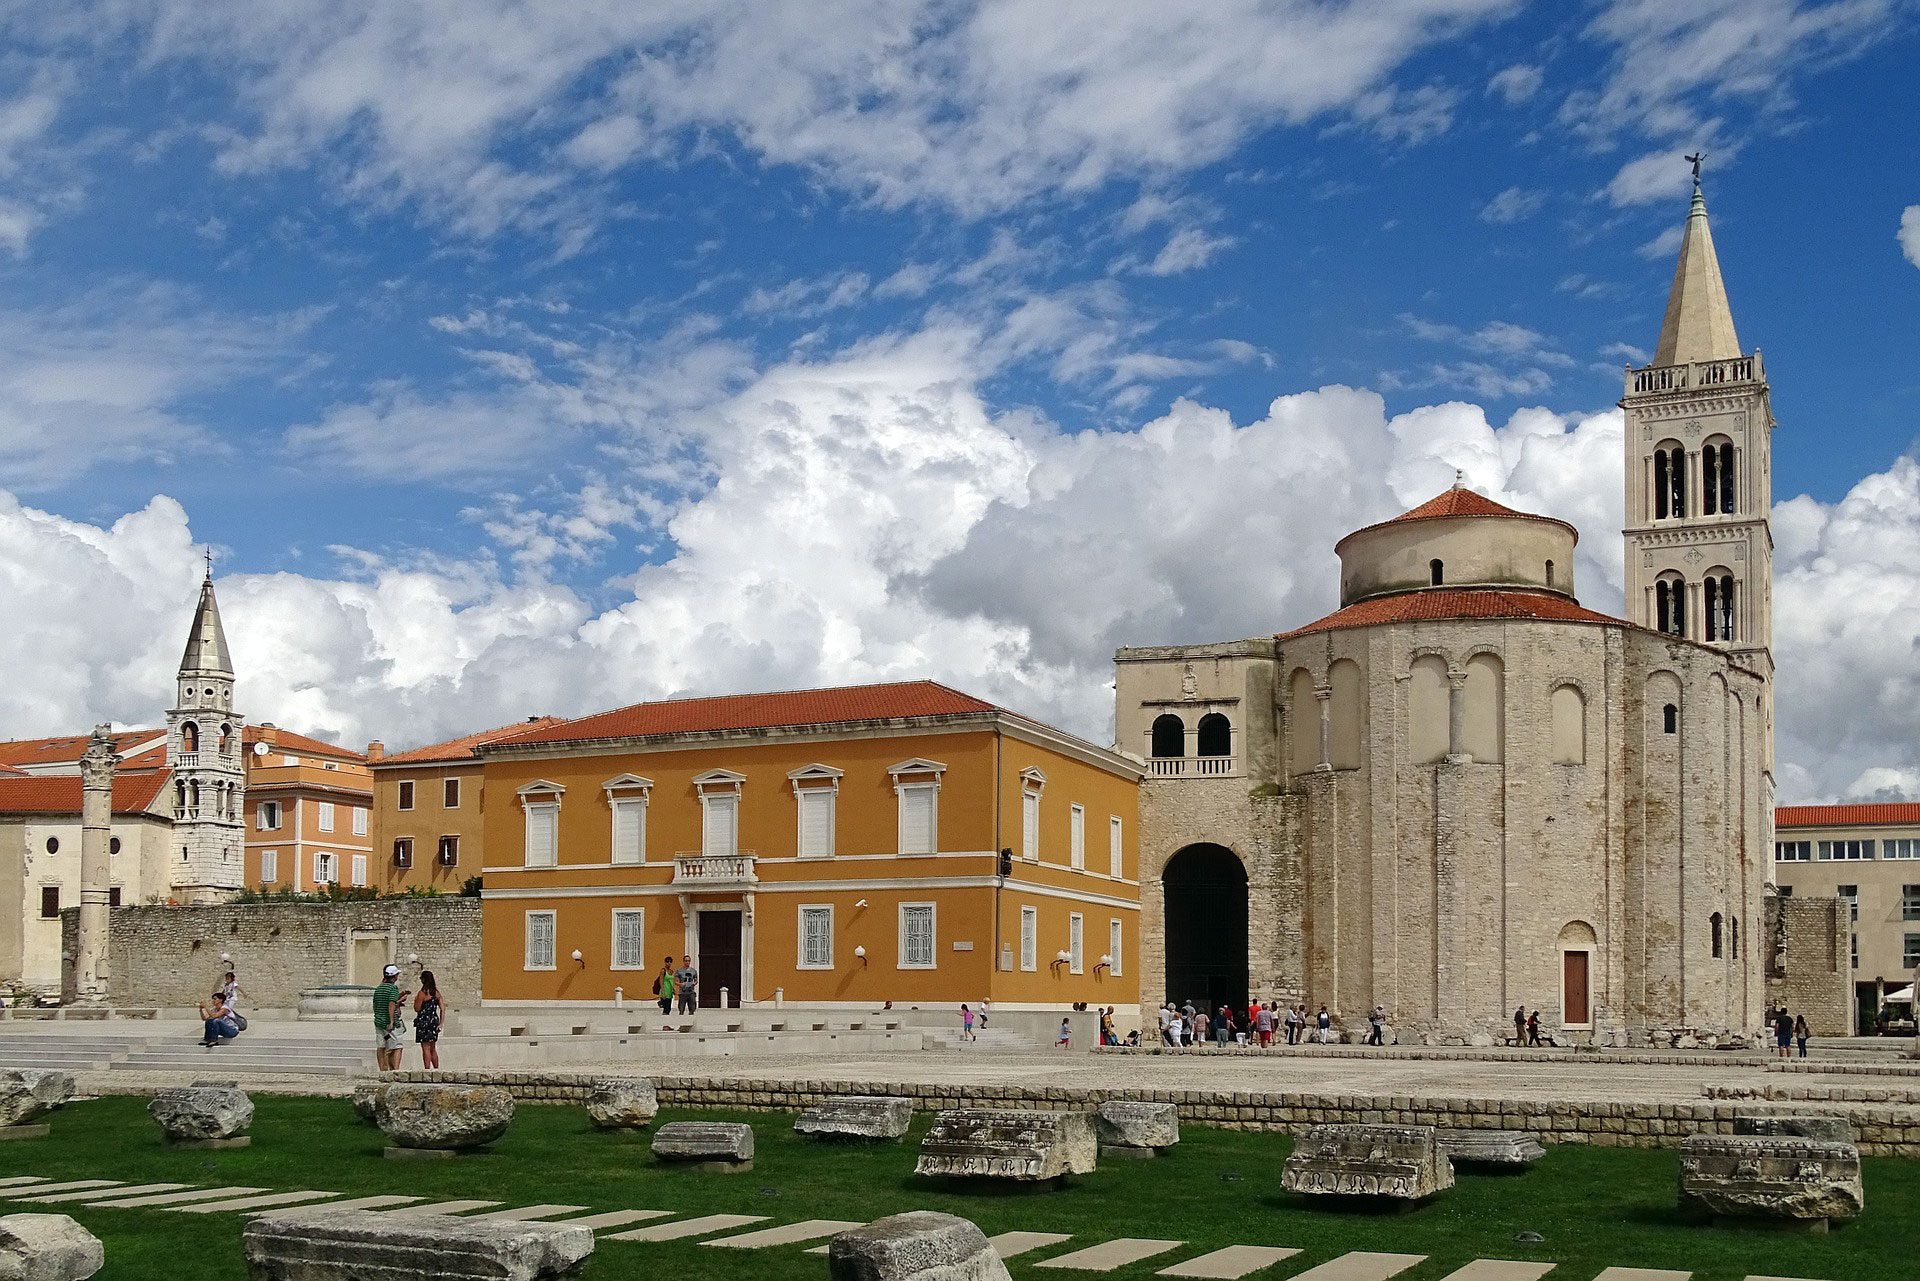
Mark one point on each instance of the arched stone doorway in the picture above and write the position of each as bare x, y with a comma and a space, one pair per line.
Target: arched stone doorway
1204, 889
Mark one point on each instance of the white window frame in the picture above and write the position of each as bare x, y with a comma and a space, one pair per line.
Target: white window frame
803, 797
1116, 847
1793, 851
323, 816
1116, 943
553, 940
932, 792
359, 820
1030, 824
440, 850
269, 866
540, 796
326, 868
1029, 939
800, 941
1850, 850
613, 938
1899, 847
1910, 903
933, 937
549, 854
403, 794
1077, 838
450, 786
1076, 943
730, 802
269, 808
359, 866
635, 808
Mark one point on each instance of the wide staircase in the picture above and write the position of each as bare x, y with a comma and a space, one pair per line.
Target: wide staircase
992, 1041
265, 1048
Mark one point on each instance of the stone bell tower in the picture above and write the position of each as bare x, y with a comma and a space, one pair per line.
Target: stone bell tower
207, 861
1699, 422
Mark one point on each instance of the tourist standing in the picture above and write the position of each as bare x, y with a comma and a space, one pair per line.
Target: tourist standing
1377, 1021
1325, 1020
1291, 1022
1783, 1032
966, 1023
216, 1018
1801, 1033
387, 1024
686, 985
1533, 1028
663, 985
1520, 1025
1167, 1035
1263, 1026
427, 1009
1223, 1027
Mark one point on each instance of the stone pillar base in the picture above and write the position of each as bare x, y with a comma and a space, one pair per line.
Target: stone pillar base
9, 1133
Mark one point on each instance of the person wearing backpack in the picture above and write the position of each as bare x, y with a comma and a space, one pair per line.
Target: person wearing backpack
663, 985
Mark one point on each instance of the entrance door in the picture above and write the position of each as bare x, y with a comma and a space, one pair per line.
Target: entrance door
1574, 1008
719, 958
1205, 889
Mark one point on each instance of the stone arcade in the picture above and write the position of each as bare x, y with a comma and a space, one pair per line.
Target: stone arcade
1464, 792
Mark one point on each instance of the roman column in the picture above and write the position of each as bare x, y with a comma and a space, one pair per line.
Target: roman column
96, 867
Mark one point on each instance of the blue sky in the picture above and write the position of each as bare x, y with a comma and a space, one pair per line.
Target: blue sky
508, 358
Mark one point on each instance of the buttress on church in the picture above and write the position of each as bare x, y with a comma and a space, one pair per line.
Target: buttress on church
1464, 793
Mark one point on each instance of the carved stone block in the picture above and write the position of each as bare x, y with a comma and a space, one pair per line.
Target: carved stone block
1833, 1129
1811, 1181
1395, 1162
856, 1116
723, 1147
920, 1245
1503, 1149
1023, 1147
1133, 1127
365, 1245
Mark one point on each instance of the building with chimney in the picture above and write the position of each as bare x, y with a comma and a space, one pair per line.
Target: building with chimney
1463, 795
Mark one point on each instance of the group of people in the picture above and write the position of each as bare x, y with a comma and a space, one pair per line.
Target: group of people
681, 985
389, 1021
1185, 1026
1526, 1028
1788, 1030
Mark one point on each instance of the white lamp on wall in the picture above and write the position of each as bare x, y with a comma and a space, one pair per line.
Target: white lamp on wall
1060, 958
860, 955
578, 959
1105, 963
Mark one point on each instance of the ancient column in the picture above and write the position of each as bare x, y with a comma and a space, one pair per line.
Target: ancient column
1324, 693
1457, 716
96, 867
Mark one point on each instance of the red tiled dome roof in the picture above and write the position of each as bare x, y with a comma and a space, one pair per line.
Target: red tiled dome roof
1463, 602
1454, 504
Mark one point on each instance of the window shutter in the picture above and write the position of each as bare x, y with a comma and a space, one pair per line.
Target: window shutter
718, 839
1116, 847
1116, 937
916, 819
359, 869
628, 841
1076, 942
540, 836
628, 941
816, 822
1077, 838
1030, 826
1029, 938
540, 941
918, 936
260, 818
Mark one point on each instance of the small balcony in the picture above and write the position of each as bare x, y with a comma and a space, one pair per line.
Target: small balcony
715, 871
187, 760
1703, 373
1192, 766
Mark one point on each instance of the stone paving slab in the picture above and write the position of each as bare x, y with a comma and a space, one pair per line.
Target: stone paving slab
1642, 1274
1501, 1270
96, 1194
527, 1213
1009, 1244
1362, 1265
443, 1207
1109, 1255
180, 1198
74, 1185
786, 1234
1231, 1263
368, 1203
14, 1181
270, 1201
705, 1226
614, 1219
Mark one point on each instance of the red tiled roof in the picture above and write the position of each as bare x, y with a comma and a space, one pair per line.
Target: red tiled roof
68, 749
60, 793
461, 749
1876, 815
8, 771
1455, 503
896, 701
1461, 602
292, 742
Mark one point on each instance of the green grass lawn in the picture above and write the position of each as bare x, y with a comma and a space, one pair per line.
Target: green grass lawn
1593, 1206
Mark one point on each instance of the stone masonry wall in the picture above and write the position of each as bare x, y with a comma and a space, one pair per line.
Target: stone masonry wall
1882, 1130
170, 956
1807, 953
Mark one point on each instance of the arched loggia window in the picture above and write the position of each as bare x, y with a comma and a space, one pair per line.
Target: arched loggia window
1720, 607
1669, 482
1714, 922
189, 737
1169, 735
1670, 605
1716, 478
1437, 570
1215, 735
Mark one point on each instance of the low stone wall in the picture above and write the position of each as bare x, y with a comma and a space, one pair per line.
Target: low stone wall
1883, 1131
1454, 1054
170, 956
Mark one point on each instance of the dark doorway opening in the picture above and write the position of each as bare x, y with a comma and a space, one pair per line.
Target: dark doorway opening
719, 958
1205, 891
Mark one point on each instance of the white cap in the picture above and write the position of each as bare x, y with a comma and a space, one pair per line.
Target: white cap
393, 971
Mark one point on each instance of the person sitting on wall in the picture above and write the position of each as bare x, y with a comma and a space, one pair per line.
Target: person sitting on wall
217, 1020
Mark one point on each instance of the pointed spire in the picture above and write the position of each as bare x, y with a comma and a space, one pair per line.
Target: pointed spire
207, 642
1699, 323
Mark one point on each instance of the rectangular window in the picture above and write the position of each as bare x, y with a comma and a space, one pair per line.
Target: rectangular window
269, 865
916, 936
1900, 847
1029, 938
267, 817
449, 851
539, 940
629, 831
325, 870
816, 938
1793, 851
629, 938
816, 822
543, 836
1844, 851
403, 851
405, 801
325, 820
359, 869
1076, 943
1030, 826
1910, 902
113, 896
918, 817
1910, 952
359, 821
1850, 895
450, 793
720, 824
1077, 837
1116, 848
1116, 940
1853, 952
49, 902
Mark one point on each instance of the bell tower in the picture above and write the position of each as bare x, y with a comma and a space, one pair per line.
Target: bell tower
1699, 548
207, 862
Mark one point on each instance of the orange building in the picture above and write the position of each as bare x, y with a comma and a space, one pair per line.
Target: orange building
824, 847
426, 810
308, 820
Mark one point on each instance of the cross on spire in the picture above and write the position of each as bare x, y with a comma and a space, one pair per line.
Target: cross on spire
209, 550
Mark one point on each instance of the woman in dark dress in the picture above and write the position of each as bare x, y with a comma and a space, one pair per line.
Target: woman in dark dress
426, 1020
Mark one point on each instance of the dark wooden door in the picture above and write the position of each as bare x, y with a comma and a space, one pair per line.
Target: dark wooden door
1573, 989
719, 958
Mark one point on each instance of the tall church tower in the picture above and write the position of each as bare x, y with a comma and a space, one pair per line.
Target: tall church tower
1699, 549
208, 861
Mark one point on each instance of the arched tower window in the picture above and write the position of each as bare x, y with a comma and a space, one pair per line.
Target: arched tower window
1437, 571
1714, 922
1549, 573
189, 737
1669, 481
1670, 604
1736, 938
1720, 606
226, 739
1716, 477
1216, 735
1169, 735
1670, 719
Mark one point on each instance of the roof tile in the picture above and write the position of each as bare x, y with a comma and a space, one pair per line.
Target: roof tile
838, 705
60, 793
1464, 602
1883, 814
460, 749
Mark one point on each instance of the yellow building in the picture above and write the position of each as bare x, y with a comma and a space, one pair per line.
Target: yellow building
821, 847
426, 810
308, 812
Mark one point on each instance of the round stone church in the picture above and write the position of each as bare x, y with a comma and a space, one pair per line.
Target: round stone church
1463, 793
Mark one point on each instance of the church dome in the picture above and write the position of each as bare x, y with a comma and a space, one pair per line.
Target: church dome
1459, 539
